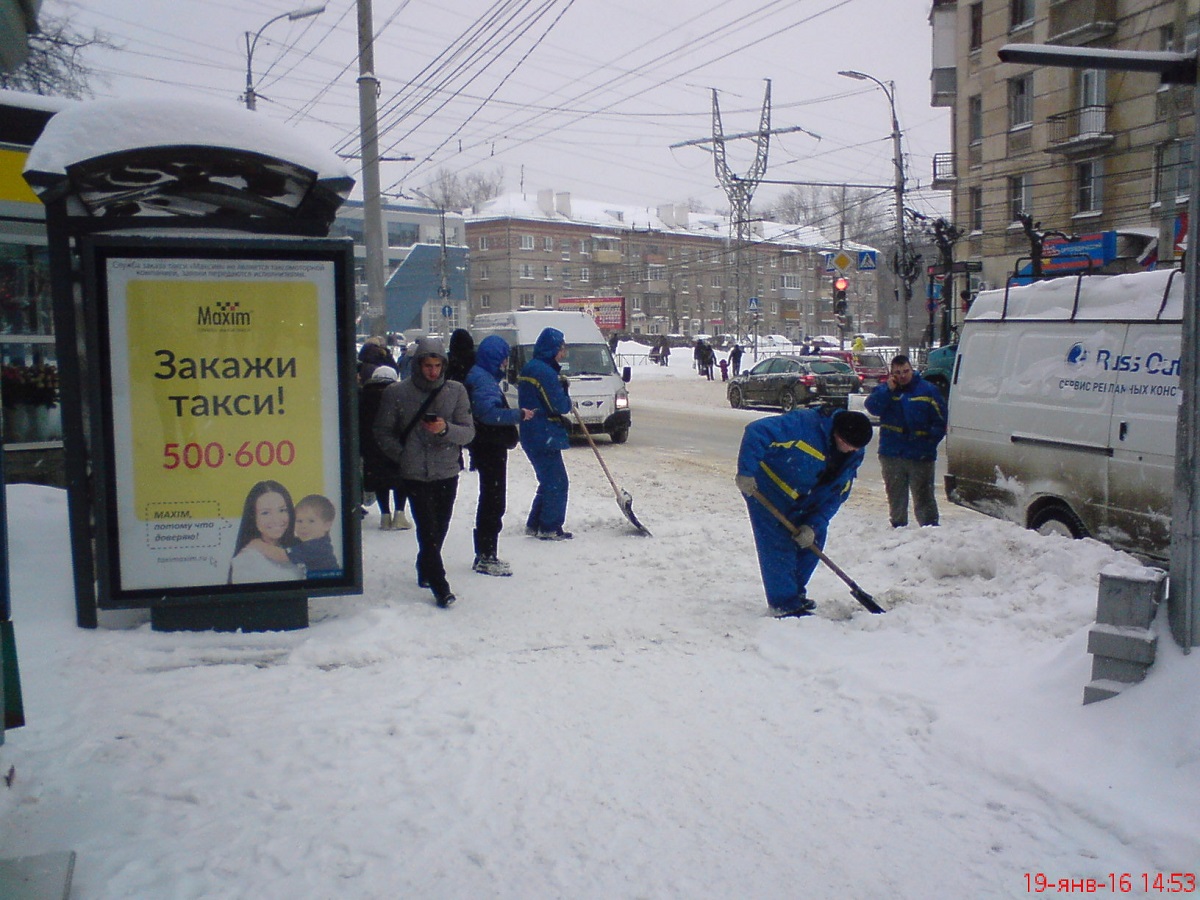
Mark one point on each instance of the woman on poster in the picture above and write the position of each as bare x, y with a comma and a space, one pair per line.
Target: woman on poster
268, 518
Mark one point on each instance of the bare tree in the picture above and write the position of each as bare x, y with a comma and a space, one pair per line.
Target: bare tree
864, 212
449, 190
55, 65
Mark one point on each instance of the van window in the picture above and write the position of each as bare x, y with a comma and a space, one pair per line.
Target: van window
588, 359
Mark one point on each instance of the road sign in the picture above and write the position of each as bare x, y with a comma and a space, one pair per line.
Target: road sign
866, 260
841, 260
753, 303
447, 310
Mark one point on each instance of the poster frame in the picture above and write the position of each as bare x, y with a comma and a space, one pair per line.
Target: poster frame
96, 252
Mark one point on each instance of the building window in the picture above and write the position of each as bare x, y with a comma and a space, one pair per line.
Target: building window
548, 301
656, 273
976, 26
790, 280
714, 280
1020, 101
975, 119
566, 274
547, 275
635, 303
1020, 14
484, 273
483, 242
585, 274
527, 301
1089, 176
527, 242
1173, 171
565, 247
526, 270
975, 201
683, 285
548, 244
485, 301
585, 248
715, 306
774, 307
1018, 197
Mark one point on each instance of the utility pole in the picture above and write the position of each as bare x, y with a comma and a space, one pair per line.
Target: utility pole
368, 91
739, 189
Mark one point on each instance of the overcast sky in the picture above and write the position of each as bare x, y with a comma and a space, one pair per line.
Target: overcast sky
585, 96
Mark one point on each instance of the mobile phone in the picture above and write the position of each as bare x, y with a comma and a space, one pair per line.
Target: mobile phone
430, 417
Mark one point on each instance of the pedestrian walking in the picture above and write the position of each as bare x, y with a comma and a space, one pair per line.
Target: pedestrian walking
803, 462
735, 359
912, 422
495, 434
381, 474
460, 355
724, 367
542, 388
423, 424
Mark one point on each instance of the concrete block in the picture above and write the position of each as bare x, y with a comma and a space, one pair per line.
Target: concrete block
1136, 645
1130, 597
1105, 668
1101, 690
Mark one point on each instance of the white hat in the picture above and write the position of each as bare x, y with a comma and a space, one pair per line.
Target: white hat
384, 373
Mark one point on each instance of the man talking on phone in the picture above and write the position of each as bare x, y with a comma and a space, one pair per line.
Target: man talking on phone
423, 423
912, 422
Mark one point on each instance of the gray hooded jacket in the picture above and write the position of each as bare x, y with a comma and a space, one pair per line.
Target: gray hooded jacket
424, 456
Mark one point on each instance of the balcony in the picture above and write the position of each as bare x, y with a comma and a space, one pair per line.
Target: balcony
1077, 22
944, 175
1078, 131
943, 85
606, 257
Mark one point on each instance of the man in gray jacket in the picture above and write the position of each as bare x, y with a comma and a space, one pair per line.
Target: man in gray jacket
423, 423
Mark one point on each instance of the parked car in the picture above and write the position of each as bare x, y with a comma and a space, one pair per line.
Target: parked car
939, 367
791, 381
870, 366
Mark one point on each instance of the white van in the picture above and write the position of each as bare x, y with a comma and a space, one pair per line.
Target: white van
598, 392
1063, 404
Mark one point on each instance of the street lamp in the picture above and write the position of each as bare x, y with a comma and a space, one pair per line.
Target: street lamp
252, 41
901, 241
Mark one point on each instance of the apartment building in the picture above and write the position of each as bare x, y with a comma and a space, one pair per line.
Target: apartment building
676, 271
1100, 161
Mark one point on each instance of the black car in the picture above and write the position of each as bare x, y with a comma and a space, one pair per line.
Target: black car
791, 381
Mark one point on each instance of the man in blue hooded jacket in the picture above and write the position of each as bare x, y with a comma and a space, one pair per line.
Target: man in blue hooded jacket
495, 434
542, 388
803, 462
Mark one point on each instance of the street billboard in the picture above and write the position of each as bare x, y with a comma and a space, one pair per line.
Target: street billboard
228, 456
609, 312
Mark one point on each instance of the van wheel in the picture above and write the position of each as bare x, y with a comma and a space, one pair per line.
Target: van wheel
787, 399
1058, 520
735, 398
619, 435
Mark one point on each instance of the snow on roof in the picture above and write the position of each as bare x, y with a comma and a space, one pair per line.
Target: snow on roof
596, 213
23, 100
83, 131
1136, 296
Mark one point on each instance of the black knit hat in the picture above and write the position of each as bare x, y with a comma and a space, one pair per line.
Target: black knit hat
853, 427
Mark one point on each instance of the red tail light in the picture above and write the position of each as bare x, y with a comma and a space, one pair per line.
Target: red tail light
808, 380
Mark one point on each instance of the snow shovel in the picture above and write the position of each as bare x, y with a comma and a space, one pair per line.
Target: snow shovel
624, 500
858, 593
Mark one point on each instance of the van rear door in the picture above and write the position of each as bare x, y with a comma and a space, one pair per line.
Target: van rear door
1145, 411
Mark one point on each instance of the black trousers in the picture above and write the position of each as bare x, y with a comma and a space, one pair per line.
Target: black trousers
431, 504
492, 465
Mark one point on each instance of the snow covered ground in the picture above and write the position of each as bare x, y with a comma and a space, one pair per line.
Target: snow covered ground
619, 719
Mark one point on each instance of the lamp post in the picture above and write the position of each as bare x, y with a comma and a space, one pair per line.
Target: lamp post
252, 41
901, 241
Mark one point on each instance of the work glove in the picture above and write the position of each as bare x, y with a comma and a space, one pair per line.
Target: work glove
746, 484
804, 537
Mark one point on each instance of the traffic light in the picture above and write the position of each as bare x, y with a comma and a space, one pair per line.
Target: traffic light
840, 283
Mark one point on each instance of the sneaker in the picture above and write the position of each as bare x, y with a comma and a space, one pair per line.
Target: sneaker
531, 530
804, 608
400, 521
446, 600
490, 565
421, 582
556, 535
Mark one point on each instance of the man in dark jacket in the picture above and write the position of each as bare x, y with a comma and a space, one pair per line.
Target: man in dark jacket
546, 435
495, 434
802, 462
912, 421
423, 423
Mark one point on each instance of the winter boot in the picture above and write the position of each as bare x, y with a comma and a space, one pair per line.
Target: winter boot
400, 521
385, 522
490, 565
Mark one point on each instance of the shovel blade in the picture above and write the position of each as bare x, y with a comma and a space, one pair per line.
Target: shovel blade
867, 600
626, 503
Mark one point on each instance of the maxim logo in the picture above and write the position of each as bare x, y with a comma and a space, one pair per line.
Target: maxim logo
222, 313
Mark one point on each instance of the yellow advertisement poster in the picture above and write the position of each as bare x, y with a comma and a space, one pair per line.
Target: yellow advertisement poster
225, 421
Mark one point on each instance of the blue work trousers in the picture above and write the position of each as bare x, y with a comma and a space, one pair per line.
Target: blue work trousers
784, 566
549, 509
